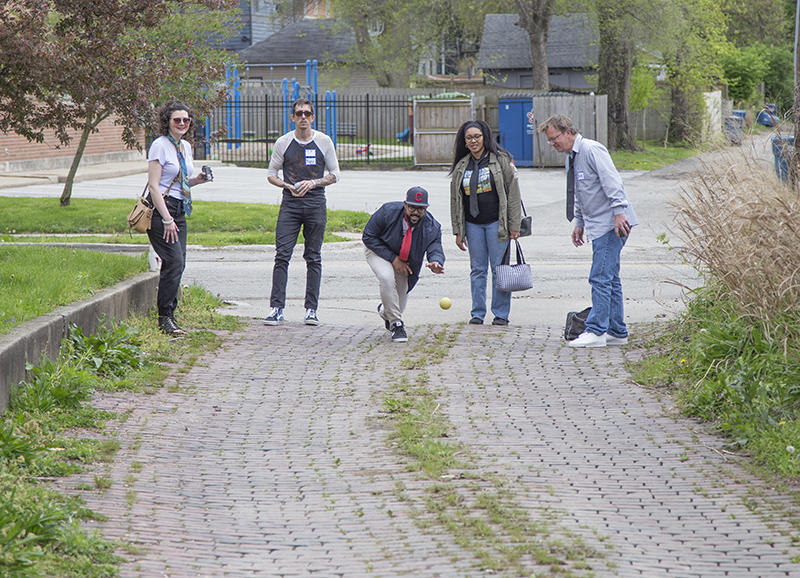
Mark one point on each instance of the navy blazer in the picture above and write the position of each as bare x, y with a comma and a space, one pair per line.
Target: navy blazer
383, 235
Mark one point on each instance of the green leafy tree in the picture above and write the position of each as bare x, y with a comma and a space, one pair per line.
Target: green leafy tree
757, 21
745, 69
779, 80
126, 70
691, 56
98, 59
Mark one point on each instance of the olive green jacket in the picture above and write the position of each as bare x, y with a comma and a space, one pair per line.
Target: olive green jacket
505, 179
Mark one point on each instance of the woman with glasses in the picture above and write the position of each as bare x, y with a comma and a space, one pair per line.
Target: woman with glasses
485, 212
169, 168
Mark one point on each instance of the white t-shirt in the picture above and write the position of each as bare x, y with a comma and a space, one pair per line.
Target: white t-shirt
164, 152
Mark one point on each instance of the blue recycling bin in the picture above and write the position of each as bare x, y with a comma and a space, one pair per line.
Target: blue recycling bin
740, 113
771, 108
782, 150
764, 118
733, 130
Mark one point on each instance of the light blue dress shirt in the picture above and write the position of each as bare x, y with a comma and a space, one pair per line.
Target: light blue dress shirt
599, 192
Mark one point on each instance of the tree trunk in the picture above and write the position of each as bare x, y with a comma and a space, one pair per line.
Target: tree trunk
679, 124
534, 18
615, 69
66, 194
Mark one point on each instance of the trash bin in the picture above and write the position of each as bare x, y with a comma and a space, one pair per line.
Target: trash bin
764, 118
733, 129
782, 150
771, 108
740, 113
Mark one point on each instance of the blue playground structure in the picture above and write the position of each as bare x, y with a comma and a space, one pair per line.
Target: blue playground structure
291, 91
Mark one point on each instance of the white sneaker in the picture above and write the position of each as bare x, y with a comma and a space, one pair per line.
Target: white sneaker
311, 317
589, 339
611, 340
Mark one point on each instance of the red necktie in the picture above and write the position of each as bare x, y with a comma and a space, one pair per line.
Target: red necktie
405, 249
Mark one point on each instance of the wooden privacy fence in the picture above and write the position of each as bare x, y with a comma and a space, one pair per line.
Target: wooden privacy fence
436, 123
588, 114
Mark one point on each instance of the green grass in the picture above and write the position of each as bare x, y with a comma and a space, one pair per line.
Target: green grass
725, 371
211, 223
51, 430
36, 280
653, 157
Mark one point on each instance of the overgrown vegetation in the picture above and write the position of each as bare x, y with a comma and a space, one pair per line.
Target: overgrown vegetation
28, 287
212, 223
476, 507
40, 529
733, 357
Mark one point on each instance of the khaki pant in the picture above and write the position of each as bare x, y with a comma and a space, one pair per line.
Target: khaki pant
393, 286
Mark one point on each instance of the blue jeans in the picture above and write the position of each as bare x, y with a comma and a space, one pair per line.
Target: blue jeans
607, 315
485, 251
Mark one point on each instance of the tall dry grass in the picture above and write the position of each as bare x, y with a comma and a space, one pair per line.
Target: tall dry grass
741, 225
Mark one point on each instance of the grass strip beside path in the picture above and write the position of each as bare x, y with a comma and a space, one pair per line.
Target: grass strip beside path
105, 220
37, 280
655, 156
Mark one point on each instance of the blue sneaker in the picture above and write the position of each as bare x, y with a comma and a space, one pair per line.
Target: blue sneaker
275, 316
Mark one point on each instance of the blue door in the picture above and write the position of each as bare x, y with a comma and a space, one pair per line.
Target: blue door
516, 130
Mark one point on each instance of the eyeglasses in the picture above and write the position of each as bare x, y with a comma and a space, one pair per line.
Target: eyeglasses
473, 138
416, 209
306, 113
186, 120
555, 138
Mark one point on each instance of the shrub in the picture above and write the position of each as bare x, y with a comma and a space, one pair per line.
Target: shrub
741, 226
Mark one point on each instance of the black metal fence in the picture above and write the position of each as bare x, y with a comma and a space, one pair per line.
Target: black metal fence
365, 129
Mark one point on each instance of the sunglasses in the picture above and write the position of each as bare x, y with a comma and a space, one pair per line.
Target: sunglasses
306, 113
182, 120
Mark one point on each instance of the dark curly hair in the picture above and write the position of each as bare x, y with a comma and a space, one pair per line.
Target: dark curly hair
165, 115
460, 149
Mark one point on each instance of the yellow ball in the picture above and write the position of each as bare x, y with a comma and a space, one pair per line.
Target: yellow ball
445, 303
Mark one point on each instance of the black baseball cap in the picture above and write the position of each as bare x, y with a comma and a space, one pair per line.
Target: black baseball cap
417, 196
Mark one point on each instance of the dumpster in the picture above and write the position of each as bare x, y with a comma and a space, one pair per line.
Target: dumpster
516, 129
733, 130
782, 150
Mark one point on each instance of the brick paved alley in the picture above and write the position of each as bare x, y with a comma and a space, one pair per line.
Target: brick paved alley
271, 460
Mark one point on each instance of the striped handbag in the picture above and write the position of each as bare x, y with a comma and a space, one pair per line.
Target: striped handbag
508, 277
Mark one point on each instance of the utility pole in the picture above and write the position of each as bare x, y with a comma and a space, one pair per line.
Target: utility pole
794, 165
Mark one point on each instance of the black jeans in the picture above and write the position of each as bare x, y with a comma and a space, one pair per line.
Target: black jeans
173, 257
291, 217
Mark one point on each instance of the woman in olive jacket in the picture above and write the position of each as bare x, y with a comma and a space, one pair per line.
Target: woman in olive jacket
485, 212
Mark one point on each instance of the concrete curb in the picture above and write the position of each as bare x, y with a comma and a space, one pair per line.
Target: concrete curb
42, 336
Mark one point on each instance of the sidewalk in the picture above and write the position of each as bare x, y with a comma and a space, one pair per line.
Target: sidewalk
270, 459
85, 173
